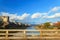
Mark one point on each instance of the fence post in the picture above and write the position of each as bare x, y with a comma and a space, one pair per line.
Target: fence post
6, 34
25, 34
40, 34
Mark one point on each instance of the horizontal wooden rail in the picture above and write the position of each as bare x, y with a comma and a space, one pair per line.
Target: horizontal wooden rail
29, 34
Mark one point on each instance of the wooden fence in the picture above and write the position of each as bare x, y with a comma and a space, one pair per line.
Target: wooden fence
17, 34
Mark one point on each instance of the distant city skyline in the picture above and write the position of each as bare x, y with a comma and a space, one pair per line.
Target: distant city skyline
31, 11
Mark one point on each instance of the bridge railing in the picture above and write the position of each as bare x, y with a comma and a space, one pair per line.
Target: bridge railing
28, 34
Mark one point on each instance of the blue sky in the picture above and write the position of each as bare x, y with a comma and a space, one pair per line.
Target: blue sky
31, 11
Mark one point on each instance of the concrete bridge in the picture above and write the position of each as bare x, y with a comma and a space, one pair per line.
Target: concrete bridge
17, 34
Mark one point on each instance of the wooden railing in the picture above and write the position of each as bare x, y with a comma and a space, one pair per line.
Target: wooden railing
29, 34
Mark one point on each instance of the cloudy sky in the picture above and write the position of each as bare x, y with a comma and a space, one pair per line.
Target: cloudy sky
31, 11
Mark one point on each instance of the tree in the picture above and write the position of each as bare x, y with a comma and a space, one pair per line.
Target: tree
47, 24
38, 26
57, 24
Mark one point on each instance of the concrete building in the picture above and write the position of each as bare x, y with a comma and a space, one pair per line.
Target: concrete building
4, 20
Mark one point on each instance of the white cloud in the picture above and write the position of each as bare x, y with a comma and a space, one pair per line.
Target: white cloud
15, 16
4, 14
54, 9
25, 15
53, 16
36, 15
57, 15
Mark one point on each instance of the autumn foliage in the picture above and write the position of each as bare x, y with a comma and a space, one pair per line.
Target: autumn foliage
57, 24
48, 25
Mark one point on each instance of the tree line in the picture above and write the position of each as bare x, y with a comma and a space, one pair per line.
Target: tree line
49, 25
12, 25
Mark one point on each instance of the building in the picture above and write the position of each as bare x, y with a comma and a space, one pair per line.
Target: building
4, 20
